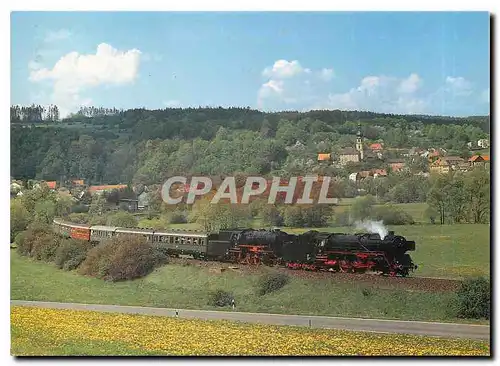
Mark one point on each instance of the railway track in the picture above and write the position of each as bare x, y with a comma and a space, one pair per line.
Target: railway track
425, 284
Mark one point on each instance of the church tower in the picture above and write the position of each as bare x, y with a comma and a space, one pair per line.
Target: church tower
359, 143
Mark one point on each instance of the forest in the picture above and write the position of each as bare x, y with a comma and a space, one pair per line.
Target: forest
108, 146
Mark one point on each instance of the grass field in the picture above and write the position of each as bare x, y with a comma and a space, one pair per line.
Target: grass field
52, 332
190, 287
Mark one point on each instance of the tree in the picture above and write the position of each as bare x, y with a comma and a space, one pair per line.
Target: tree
292, 216
477, 192
19, 218
213, 217
98, 205
437, 197
270, 215
45, 211
362, 207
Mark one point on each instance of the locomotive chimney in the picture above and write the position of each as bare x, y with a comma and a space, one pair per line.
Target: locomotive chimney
391, 233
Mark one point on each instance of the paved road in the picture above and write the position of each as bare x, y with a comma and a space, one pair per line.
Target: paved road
449, 330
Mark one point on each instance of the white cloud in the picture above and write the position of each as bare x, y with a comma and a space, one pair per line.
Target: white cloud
458, 86
74, 73
485, 96
59, 35
288, 82
327, 74
410, 84
283, 69
380, 94
172, 103
34, 65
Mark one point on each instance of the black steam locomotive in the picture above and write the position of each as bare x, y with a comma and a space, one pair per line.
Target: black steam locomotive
315, 250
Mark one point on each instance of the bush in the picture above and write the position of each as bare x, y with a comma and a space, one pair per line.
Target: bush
473, 299
38, 241
19, 239
343, 218
122, 258
270, 215
292, 216
19, 218
272, 282
177, 217
122, 219
44, 247
79, 209
71, 253
97, 220
220, 298
391, 215
79, 218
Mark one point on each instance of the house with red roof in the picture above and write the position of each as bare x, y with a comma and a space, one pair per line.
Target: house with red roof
51, 184
479, 160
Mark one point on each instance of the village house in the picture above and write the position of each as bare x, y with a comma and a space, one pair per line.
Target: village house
101, 189
479, 160
78, 182
379, 173
375, 173
376, 147
349, 155
51, 184
446, 164
483, 143
324, 157
396, 165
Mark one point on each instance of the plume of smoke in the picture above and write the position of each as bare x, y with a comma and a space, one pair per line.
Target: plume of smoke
374, 227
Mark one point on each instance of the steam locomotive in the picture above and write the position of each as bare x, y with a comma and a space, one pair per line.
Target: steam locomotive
312, 250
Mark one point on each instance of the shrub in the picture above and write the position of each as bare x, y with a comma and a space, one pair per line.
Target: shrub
391, 215
79, 218
270, 215
473, 299
177, 217
44, 247
343, 218
79, 209
122, 219
35, 238
71, 253
220, 298
97, 220
272, 282
19, 218
19, 239
292, 216
122, 258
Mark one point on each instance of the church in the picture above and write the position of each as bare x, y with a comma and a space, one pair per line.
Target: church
357, 154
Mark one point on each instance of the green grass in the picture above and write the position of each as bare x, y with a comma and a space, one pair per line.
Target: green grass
190, 287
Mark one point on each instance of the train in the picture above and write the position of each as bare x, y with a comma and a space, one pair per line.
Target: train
311, 251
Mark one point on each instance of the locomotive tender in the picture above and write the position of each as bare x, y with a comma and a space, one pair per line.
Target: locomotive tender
312, 250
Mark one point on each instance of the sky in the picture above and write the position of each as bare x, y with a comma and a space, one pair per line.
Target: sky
411, 63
